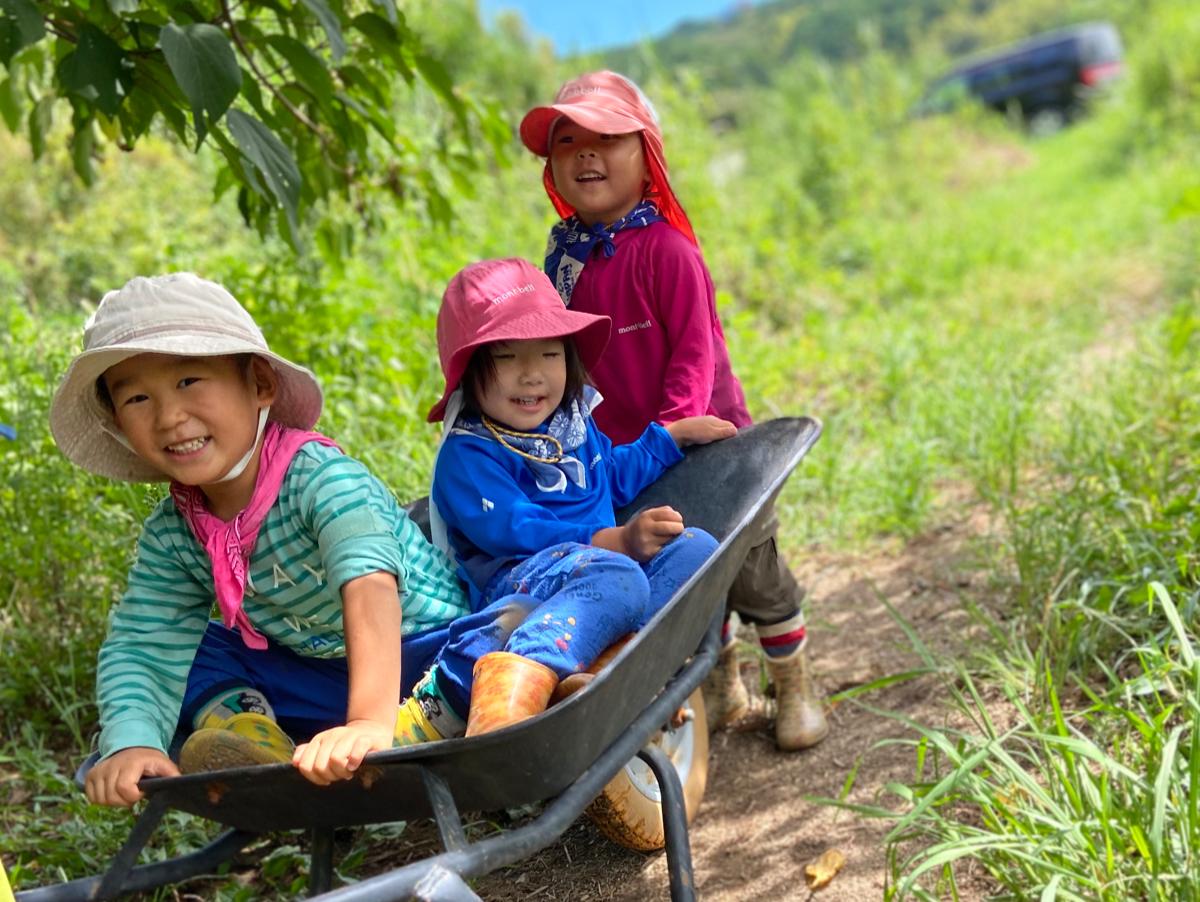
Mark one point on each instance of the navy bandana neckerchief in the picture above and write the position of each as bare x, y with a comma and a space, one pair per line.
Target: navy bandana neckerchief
571, 243
568, 424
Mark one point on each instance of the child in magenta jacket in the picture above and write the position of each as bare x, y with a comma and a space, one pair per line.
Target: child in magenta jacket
625, 249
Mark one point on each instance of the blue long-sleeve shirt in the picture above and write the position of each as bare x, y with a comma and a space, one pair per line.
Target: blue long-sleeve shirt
496, 516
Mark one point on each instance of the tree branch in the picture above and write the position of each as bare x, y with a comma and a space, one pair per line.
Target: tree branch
62, 30
297, 113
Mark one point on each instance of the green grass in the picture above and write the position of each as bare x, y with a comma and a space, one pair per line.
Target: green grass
1092, 795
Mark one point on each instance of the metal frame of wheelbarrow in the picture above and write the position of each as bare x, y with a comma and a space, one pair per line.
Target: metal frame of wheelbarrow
565, 755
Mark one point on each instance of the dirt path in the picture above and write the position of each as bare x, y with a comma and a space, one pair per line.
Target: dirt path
756, 831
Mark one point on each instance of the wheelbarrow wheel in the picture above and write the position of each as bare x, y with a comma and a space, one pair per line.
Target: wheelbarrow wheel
629, 810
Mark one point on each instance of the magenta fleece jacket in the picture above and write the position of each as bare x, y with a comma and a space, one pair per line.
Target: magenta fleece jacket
667, 357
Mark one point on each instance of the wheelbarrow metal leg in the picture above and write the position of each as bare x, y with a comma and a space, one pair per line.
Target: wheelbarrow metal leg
126, 858
320, 861
445, 812
148, 876
675, 826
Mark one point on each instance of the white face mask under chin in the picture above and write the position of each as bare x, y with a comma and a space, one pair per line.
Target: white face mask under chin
235, 471
240, 466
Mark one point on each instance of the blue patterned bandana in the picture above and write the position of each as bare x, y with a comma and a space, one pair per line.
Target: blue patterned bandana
571, 243
568, 424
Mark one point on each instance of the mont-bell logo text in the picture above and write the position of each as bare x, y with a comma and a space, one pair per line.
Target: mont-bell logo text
512, 292
634, 327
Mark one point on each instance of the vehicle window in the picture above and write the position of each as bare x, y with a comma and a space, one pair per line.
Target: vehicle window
1102, 45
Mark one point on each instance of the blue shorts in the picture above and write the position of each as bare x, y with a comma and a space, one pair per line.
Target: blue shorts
308, 694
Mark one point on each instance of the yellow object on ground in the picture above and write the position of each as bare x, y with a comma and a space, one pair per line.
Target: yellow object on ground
6, 893
821, 872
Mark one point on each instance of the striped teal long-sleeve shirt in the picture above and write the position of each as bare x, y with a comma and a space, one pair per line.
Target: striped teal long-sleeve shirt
332, 522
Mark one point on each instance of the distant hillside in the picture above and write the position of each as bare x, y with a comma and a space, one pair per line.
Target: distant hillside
751, 45
748, 46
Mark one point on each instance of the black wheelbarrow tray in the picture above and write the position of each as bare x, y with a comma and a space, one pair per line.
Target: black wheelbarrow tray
563, 757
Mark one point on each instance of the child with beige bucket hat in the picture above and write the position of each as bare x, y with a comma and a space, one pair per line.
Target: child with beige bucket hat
319, 575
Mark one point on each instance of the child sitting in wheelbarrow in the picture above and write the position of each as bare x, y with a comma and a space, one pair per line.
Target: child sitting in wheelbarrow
524, 491
317, 571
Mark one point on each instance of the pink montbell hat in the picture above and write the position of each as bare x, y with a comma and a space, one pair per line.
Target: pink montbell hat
609, 104
506, 300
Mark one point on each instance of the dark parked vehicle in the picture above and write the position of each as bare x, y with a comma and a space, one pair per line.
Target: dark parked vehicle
1047, 78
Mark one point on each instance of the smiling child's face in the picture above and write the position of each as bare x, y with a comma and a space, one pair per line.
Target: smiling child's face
192, 418
530, 378
602, 176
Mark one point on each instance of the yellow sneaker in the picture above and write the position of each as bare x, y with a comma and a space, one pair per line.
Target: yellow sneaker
242, 740
413, 725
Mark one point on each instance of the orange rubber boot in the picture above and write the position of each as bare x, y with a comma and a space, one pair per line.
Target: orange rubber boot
569, 685
508, 688
609, 653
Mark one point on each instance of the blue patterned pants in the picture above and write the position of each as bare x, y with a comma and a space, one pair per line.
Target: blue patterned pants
564, 606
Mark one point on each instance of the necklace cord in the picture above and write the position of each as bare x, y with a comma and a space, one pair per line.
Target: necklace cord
499, 432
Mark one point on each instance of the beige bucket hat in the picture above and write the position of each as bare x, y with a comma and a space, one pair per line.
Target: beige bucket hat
178, 313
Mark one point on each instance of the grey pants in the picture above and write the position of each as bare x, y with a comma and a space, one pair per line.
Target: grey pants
765, 591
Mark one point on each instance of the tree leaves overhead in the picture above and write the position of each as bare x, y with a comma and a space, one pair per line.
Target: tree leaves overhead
10, 104
205, 67
20, 26
97, 70
301, 98
270, 159
333, 28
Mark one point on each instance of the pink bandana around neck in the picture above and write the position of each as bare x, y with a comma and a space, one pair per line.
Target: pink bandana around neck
230, 543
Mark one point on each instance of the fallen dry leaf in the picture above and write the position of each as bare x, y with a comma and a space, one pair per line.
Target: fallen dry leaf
824, 869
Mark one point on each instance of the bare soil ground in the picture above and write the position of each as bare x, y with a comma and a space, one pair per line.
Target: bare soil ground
757, 827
